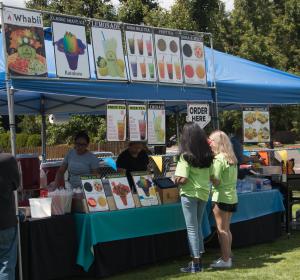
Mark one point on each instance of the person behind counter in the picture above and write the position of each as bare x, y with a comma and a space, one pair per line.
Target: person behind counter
79, 161
134, 158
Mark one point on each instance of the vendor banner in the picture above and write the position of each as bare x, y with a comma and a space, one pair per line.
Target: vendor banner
70, 47
256, 125
108, 50
168, 58
137, 122
116, 122
139, 42
156, 124
192, 50
25, 46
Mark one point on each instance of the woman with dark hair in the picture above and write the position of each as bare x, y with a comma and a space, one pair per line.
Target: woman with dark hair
79, 161
193, 176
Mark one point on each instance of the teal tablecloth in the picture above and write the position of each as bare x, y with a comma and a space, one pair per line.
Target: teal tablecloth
109, 226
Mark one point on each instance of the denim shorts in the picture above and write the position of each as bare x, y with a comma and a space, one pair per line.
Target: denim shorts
225, 206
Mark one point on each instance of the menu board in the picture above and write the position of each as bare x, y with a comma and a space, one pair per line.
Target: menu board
192, 50
145, 188
137, 122
94, 194
121, 192
139, 42
25, 46
168, 57
70, 47
116, 122
256, 122
108, 50
156, 124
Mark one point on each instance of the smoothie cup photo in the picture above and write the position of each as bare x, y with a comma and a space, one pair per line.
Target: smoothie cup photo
121, 130
177, 70
161, 68
143, 69
131, 45
133, 65
142, 129
149, 47
140, 43
151, 70
170, 70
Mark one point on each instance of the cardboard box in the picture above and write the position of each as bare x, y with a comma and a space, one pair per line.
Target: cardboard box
169, 195
79, 205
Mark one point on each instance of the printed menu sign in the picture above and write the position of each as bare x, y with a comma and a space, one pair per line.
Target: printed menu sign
137, 122
256, 122
139, 42
168, 57
192, 49
108, 50
70, 47
156, 124
116, 122
25, 46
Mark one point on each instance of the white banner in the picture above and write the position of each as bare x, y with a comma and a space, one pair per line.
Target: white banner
22, 17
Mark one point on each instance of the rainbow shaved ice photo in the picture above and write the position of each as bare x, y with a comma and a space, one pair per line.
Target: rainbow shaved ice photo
72, 47
121, 190
145, 184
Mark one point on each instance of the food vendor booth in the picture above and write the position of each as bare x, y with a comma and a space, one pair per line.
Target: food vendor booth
158, 71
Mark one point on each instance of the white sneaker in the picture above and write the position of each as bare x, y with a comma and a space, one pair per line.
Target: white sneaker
215, 261
222, 264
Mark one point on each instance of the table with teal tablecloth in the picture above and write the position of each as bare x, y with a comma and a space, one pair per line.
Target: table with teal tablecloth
95, 228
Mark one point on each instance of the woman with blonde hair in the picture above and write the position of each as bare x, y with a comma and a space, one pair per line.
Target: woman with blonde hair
224, 196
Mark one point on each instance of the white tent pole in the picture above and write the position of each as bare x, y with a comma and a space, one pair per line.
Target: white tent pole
43, 130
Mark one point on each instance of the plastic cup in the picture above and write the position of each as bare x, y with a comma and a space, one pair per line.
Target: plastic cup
142, 128
170, 70
121, 130
131, 45
143, 69
149, 47
134, 69
140, 46
161, 68
177, 71
151, 70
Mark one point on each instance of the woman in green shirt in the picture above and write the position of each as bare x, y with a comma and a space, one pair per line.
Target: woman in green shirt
224, 196
193, 176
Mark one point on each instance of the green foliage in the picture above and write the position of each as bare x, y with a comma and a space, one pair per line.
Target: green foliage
4, 140
21, 140
30, 124
230, 120
34, 140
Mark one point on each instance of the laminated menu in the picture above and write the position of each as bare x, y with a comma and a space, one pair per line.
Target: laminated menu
168, 57
116, 122
192, 49
139, 43
137, 122
156, 124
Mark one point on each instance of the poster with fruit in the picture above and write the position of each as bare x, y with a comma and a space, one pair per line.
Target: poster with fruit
256, 125
145, 188
137, 122
25, 46
108, 51
168, 57
121, 192
94, 194
192, 49
70, 47
116, 122
141, 59
156, 124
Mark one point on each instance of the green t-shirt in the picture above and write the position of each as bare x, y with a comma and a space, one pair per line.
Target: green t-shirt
225, 192
198, 183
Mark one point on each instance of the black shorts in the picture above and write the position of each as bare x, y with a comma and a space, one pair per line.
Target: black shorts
225, 206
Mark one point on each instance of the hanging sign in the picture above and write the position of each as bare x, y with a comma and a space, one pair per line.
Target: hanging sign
139, 42
108, 50
168, 57
256, 125
198, 113
70, 47
116, 122
156, 124
25, 46
137, 122
192, 49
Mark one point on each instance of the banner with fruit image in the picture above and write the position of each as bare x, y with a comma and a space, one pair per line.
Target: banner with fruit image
116, 122
168, 58
156, 124
108, 51
121, 192
139, 43
70, 47
94, 194
192, 49
25, 46
137, 122
256, 125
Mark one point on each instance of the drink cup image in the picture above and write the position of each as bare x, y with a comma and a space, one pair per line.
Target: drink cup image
177, 71
131, 45
143, 69
161, 68
72, 60
134, 68
121, 130
124, 199
151, 70
140, 43
142, 129
170, 70
149, 47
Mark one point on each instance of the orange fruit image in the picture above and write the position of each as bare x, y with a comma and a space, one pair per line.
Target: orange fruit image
200, 72
102, 201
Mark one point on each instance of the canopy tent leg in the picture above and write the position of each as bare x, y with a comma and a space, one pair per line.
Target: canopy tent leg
177, 126
43, 130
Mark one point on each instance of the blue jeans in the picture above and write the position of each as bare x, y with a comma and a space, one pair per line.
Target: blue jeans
193, 209
8, 253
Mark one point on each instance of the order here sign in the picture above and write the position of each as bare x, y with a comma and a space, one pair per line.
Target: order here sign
198, 113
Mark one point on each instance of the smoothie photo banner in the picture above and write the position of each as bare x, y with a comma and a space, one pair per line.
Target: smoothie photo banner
25, 46
156, 124
116, 122
192, 49
108, 50
168, 58
139, 42
137, 122
256, 125
70, 47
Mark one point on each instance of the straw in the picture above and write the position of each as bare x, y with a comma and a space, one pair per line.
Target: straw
103, 36
145, 116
